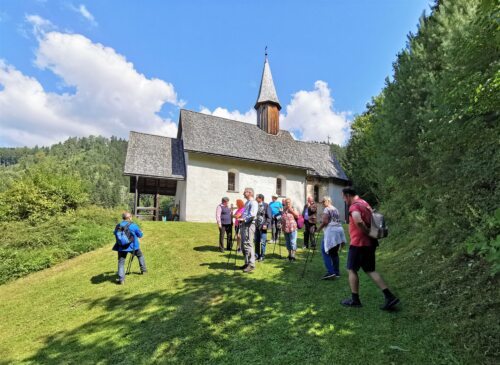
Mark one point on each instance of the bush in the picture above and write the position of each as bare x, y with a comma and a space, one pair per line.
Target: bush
27, 247
44, 190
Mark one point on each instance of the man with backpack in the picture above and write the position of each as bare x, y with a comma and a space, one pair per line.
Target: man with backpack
362, 250
127, 236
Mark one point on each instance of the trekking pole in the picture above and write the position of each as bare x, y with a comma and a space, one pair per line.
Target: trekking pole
313, 244
279, 242
130, 263
305, 263
236, 252
228, 258
272, 234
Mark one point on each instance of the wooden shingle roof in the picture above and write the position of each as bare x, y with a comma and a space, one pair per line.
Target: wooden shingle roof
225, 137
155, 156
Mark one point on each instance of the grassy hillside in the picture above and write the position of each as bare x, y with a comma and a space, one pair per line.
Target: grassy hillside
26, 247
187, 310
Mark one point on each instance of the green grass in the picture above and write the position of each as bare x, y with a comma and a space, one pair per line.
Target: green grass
187, 310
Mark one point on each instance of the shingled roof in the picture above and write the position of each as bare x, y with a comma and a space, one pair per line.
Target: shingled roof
225, 137
267, 91
155, 156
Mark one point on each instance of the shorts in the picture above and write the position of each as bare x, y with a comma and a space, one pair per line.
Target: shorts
291, 240
361, 257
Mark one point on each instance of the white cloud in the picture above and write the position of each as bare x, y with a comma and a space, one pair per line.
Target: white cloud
83, 11
111, 96
248, 117
310, 114
40, 25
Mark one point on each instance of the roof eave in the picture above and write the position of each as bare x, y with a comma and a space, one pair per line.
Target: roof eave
179, 178
247, 159
258, 103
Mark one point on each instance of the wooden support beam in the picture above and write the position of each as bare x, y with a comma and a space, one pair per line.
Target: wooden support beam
136, 194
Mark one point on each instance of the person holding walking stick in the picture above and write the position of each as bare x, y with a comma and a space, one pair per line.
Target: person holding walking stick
289, 217
309, 214
333, 239
248, 230
127, 235
238, 213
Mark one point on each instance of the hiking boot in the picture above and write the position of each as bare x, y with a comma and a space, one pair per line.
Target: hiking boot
243, 267
389, 303
249, 269
350, 303
328, 276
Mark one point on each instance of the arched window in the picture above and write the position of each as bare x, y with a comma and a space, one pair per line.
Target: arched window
232, 180
316, 193
281, 186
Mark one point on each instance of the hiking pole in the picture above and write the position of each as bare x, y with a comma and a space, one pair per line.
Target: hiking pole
228, 258
236, 251
305, 263
313, 244
130, 263
279, 242
230, 249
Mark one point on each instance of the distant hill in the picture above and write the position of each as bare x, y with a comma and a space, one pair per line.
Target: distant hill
97, 160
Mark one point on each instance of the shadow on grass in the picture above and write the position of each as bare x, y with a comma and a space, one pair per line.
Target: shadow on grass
105, 277
206, 248
218, 319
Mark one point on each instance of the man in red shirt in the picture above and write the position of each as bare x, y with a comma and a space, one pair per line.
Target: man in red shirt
362, 250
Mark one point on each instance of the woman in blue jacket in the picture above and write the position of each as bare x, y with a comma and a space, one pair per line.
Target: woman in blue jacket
132, 247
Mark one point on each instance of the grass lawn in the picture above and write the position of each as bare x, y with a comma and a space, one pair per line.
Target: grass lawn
187, 310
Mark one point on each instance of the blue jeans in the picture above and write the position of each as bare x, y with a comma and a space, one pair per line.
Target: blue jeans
260, 240
122, 256
291, 241
331, 259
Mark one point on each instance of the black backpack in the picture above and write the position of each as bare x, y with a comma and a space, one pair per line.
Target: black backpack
124, 235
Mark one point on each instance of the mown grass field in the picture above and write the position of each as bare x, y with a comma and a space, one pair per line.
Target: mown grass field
187, 310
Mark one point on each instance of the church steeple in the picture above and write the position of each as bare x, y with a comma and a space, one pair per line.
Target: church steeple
267, 105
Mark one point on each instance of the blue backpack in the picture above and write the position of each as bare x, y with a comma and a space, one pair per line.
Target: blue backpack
124, 235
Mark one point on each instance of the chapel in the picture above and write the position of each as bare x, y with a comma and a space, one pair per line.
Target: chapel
214, 157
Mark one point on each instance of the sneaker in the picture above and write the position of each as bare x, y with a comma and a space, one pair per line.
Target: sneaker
221, 249
238, 250
144, 272
120, 282
350, 303
389, 303
328, 276
293, 258
249, 269
261, 258
243, 267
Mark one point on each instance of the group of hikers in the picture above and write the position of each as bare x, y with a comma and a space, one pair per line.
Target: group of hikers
254, 218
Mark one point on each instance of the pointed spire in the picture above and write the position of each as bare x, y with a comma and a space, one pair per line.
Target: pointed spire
267, 92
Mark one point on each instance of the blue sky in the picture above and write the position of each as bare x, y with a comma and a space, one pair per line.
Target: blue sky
328, 58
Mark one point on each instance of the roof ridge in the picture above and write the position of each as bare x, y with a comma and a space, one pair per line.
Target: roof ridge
231, 120
151, 134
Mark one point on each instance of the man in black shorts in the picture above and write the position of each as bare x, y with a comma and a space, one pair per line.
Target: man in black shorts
362, 251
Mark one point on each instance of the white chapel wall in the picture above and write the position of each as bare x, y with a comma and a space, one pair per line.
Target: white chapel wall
206, 184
